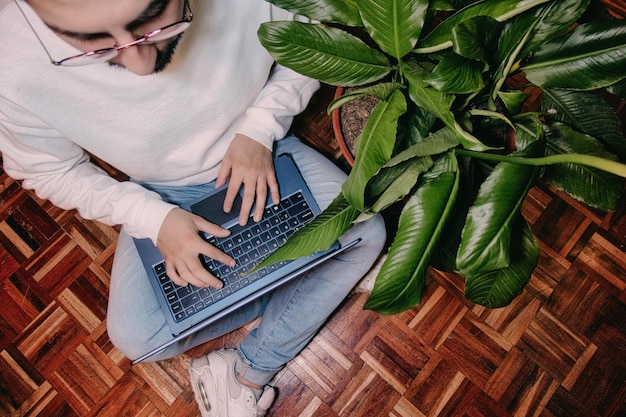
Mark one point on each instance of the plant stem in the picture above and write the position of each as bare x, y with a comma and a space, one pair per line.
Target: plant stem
491, 114
613, 167
434, 48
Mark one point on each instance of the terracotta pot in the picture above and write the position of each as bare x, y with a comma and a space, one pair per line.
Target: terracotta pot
349, 121
336, 119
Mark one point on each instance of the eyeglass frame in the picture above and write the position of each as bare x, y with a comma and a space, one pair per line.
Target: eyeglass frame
141, 39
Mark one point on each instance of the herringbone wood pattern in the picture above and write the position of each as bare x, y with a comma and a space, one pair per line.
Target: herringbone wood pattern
558, 350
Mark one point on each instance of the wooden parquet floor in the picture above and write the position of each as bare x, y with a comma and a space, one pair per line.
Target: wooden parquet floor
558, 350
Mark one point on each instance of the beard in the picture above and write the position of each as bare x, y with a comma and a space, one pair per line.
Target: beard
164, 56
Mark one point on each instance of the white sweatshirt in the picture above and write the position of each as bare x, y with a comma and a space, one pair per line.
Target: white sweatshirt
171, 128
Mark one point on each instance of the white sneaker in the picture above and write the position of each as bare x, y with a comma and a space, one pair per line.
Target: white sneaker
219, 393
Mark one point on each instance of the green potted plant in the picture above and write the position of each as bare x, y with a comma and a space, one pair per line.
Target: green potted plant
454, 135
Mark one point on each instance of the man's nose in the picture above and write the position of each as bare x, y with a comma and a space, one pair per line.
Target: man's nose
139, 59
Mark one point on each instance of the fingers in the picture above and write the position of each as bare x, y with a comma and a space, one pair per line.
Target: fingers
180, 243
272, 183
255, 191
185, 270
233, 188
223, 174
255, 194
261, 195
251, 193
248, 163
182, 275
261, 198
231, 194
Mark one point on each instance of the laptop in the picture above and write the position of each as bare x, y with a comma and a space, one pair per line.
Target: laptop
189, 309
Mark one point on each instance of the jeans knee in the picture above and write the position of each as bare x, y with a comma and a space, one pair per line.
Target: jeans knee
122, 338
130, 339
373, 234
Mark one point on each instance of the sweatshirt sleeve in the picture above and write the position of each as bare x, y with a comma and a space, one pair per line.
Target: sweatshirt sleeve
285, 95
60, 171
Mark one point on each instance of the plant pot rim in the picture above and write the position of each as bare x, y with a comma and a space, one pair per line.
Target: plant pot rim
336, 121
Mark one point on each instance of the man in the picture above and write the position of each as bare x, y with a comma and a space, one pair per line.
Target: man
182, 98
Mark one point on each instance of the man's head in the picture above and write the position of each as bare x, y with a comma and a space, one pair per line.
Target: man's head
91, 25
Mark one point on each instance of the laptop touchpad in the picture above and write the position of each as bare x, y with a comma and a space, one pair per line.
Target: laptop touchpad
211, 208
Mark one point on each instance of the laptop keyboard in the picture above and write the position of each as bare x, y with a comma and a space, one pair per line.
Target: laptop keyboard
248, 245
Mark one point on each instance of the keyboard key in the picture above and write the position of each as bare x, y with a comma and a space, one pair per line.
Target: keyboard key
184, 291
305, 216
177, 307
192, 299
168, 287
159, 268
297, 209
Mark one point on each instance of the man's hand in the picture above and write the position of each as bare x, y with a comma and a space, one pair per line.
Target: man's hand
180, 243
248, 163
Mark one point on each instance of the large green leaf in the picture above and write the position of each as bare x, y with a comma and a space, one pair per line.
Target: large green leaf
374, 148
498, 288
338, 11
524, 33
591, 56
441, 37
395, 25
513, 100
317, 235
327, 54
458, 75
476, 38
438, 103
400, 173
552, 19
593, 187
414, 126
435, 143
400, 180
486, 236
471, 174
528, 129
400, 282
587, 113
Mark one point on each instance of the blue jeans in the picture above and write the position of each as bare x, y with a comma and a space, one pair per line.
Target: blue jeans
290, 316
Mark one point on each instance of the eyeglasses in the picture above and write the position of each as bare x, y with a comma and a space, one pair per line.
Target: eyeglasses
106, 54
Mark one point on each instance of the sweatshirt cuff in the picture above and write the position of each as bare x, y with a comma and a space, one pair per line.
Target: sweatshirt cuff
149, 219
